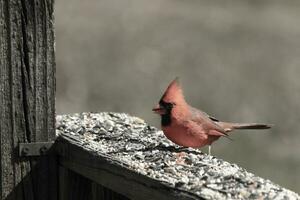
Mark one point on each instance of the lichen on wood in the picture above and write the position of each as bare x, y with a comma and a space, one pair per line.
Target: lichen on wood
129, 143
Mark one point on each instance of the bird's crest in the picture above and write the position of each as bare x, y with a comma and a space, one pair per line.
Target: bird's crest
174, 92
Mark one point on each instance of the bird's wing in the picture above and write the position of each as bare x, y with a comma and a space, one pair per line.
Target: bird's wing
207, 122
210, 117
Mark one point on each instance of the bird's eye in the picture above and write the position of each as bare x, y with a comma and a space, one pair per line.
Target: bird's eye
171, 105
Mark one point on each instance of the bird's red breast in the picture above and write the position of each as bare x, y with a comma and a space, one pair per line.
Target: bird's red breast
188, 134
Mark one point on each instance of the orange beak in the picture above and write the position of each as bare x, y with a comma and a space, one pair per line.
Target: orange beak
159, 110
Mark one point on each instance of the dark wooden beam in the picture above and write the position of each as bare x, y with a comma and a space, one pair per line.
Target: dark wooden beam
27, 97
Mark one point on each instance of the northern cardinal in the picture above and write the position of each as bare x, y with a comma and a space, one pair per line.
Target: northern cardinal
190, 127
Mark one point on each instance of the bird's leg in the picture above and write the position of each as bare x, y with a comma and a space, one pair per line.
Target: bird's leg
209, 149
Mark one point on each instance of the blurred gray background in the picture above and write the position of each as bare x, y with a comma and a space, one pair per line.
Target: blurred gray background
238, 61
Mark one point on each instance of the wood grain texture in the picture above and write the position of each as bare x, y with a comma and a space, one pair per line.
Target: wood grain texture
27, 88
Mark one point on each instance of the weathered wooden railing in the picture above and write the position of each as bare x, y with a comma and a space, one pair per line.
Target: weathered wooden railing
115, 156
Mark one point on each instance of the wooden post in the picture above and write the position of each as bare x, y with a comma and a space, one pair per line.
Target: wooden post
27, 97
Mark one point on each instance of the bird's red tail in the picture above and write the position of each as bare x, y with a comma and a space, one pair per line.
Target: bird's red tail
250, 126
230, 126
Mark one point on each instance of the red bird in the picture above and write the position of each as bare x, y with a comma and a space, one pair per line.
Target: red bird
190, 127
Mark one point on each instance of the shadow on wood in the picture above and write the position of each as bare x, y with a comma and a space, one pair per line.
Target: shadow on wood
76, 187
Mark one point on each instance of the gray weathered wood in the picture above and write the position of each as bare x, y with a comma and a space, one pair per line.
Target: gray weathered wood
124, 154
27, 87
